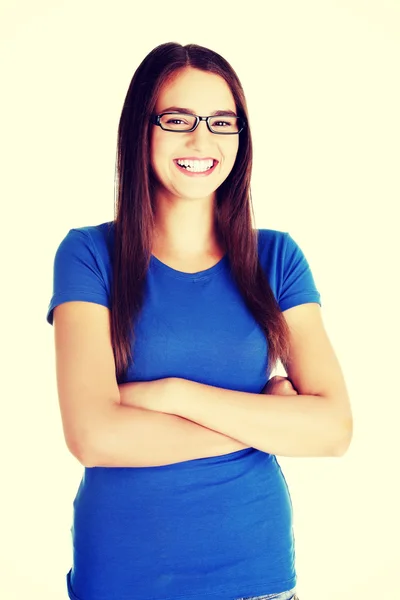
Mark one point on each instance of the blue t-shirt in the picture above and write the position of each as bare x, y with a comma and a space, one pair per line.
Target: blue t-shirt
216, 528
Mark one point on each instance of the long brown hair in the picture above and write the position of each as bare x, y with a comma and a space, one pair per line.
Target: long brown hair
134, 205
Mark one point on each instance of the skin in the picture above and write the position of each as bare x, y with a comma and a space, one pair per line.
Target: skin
185, 206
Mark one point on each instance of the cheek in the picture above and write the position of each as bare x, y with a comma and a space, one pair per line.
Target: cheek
160, 149
231, 153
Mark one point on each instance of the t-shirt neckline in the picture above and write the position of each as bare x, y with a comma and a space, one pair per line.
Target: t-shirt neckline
158, 264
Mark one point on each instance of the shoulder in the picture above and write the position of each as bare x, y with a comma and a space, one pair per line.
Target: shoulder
88, 241
97, 234
268, 236
272, 248
287, 268
271, 244
82, 268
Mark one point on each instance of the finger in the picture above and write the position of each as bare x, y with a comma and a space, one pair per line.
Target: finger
286, 387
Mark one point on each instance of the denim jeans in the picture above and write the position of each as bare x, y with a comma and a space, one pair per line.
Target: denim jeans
288, 595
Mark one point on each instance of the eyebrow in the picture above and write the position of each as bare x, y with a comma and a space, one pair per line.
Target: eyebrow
192, 112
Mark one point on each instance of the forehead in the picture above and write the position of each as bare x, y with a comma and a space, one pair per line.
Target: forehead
200, 91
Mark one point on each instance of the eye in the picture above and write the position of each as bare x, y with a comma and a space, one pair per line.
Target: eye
175, 121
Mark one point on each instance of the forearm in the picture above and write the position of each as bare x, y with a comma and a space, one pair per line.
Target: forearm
301, 425
134, 437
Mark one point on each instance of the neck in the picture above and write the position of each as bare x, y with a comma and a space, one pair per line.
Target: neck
185, 227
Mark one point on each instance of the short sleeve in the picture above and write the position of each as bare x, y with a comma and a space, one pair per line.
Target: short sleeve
298, 285
77, 274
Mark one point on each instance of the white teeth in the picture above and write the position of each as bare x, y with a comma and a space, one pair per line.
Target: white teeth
196, 165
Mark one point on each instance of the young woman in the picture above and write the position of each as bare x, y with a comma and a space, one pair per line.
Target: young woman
168, 322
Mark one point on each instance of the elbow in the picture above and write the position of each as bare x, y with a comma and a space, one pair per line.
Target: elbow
83, 452
88, 456
87, 460
345, 438
91, 444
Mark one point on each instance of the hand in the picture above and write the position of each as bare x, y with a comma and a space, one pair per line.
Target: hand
147, 395
279, 386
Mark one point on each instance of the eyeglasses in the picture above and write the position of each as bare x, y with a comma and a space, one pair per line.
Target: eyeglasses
221, 124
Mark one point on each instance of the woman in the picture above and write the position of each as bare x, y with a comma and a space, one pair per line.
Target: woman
168, 323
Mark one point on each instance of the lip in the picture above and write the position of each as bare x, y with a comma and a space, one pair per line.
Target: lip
196, 158
193, 174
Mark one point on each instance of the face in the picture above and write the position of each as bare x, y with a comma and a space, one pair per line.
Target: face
203, 93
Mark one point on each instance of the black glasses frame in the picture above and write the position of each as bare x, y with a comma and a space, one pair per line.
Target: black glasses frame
155, 120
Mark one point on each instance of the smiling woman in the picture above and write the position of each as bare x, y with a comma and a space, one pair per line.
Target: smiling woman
184, 214
168, 321
181, 133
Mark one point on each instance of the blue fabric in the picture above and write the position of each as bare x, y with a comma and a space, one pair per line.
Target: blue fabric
218, 528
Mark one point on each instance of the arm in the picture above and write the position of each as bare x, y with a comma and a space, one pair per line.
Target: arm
162, 438
302, 425
134, 437
316, 422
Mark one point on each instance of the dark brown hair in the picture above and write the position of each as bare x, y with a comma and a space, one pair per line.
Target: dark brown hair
135, 209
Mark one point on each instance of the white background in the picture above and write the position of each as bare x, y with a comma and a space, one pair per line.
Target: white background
322, 85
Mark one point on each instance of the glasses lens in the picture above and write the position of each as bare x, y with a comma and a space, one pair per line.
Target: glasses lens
184, 122
225, 124
177, 122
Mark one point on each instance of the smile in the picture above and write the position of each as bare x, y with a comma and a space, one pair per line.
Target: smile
196, 168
